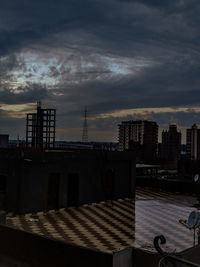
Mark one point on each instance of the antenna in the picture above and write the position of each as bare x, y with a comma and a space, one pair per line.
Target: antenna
194, 222
85, 128
196, 177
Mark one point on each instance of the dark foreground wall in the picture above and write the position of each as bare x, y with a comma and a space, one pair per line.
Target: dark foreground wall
143, 258
19, 248
25, 249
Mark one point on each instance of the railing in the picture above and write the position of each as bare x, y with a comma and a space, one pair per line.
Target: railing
168, 257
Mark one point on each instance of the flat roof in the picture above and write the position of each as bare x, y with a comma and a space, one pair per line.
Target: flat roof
113, 226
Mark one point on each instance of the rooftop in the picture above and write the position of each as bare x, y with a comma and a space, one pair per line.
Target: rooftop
113, 226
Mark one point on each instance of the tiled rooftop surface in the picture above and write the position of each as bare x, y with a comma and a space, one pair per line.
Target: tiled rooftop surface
125, 222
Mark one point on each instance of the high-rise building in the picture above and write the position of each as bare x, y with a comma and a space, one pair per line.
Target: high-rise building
139, 135
85, 128
193, 143
4, 138
40, 128
171, 144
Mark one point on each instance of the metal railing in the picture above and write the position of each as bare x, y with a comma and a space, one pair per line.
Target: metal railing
168, 257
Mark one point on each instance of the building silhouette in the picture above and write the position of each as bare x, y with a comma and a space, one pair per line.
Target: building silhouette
40, 128
4, 139
193, 143
85, 128
140, 136
171, 144
35, 180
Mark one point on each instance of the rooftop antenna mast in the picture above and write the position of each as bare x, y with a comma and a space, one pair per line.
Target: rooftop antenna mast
85, 128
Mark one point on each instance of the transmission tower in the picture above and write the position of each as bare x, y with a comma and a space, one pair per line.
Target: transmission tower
85, 128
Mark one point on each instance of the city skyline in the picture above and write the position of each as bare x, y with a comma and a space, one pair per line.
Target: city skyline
122, 59
160, 130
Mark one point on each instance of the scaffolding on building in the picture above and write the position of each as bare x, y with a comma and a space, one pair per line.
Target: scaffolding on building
41, 128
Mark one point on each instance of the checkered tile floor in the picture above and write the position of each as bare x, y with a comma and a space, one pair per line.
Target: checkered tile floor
126, 222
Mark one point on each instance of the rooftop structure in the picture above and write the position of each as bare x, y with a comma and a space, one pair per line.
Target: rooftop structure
35, 180
113, 226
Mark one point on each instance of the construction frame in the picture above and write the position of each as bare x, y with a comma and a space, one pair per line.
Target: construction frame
41, 128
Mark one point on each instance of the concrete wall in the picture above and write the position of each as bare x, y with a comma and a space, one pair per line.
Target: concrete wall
9, 168
144, 258
192, 255
27, 177
18, 248
124, 258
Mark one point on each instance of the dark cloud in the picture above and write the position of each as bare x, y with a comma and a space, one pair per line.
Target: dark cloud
106, 55
27, 22
12, 126
22, 95
166, 84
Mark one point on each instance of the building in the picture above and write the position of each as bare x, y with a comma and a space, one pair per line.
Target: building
141, 136
4, 139
40, 128
38, 180
193, 143
171, 144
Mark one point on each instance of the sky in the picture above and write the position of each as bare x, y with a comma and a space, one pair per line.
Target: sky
122, 59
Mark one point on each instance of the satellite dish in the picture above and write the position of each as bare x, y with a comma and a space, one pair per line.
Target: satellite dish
193, 220
196, 177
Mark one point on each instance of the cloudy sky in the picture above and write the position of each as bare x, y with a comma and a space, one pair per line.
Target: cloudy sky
123, 59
